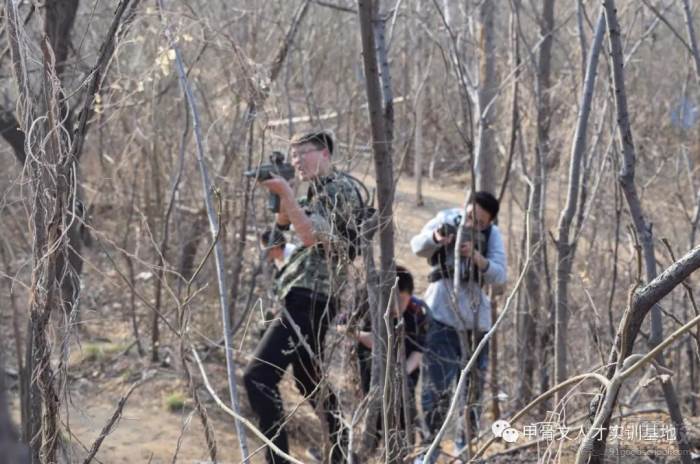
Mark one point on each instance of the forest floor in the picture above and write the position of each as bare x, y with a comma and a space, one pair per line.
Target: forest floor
153, 428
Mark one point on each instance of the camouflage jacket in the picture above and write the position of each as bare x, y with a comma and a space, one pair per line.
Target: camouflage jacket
333, 204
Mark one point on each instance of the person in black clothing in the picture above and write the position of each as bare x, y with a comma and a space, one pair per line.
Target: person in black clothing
413, 311
306, 284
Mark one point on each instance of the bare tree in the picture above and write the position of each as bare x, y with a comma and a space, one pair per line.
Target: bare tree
536, 294
383, 165
632, 320
566, 248
485, 157
52, 152
641, 302
418, 139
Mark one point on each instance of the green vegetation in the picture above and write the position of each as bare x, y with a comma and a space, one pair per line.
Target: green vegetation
175, 402
100, 352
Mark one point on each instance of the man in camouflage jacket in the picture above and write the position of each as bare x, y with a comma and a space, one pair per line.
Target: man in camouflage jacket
307, 285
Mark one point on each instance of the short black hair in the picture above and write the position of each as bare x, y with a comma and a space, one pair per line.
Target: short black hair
320, 139
273, 237
488, 202
405, 279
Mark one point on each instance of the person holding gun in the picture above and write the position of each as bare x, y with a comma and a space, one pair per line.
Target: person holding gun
308, 285
482, 261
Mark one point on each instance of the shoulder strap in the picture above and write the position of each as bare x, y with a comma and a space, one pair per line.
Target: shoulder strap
487, 237
355, 183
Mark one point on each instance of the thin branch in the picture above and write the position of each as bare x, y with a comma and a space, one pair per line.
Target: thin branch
669, 25
659, 348
344, 9
107, 429
214, 225
106, 51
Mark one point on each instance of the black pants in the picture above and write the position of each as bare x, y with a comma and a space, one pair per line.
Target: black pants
280, 347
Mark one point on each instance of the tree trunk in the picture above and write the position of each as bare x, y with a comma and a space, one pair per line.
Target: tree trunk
418, 150
565, 248
515, 62
60, 16
52, 175
419, 106
488, 87
494, 373
240, 243
154, 208
547, 160
536, 272
57, 213
383, 165
12, 451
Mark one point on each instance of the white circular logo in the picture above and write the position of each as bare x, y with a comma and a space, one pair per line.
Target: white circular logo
510, 435
499, 426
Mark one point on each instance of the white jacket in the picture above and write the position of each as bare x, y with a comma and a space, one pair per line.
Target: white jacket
474, 305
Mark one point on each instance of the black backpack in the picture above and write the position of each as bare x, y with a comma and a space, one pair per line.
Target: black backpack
363, 213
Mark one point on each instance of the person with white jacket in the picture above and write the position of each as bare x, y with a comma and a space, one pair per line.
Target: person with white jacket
482, 261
